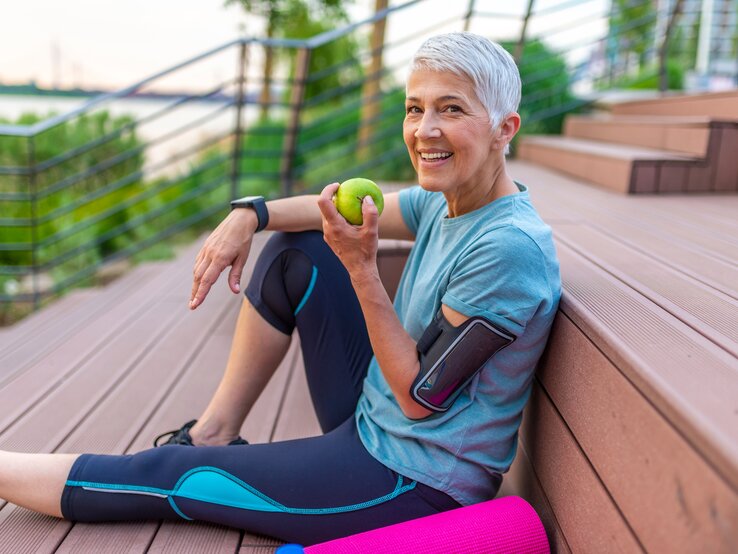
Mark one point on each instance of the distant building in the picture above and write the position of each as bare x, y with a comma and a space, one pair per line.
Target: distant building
721, 55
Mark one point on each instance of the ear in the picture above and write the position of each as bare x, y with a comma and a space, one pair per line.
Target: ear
507, 129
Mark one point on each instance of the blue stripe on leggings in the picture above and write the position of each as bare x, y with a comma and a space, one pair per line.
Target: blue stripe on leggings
309, 290
213, 485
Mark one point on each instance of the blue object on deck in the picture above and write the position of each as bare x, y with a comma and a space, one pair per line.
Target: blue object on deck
290, 549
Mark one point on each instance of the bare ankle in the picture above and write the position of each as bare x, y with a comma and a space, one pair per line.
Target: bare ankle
208, 433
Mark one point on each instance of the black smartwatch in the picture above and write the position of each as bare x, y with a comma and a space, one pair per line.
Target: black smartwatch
258, 204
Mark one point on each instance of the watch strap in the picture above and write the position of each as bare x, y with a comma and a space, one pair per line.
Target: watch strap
259, 206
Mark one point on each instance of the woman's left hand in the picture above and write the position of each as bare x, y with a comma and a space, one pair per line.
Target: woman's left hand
355, 246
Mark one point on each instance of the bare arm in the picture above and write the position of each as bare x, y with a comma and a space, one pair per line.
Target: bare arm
394, 348
230, 243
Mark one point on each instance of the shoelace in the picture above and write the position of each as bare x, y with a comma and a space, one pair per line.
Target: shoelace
184, 430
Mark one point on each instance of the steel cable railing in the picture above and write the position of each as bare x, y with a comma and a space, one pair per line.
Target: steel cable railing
64, 213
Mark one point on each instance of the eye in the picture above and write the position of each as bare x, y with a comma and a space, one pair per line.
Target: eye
412, 109
453, 108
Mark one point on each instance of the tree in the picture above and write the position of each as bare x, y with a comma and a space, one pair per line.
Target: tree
632, 25
280, 18
664, 47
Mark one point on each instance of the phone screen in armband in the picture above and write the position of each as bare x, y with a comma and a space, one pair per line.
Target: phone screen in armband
456, 365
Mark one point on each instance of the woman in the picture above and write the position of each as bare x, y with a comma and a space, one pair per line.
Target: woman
481, 251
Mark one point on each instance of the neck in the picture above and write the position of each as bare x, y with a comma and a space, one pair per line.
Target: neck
469, 198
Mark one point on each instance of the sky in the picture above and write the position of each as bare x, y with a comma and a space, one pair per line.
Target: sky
111, 44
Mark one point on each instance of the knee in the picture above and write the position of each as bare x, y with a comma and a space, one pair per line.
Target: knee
305, 241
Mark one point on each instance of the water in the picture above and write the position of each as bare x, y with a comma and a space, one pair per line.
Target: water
208, 120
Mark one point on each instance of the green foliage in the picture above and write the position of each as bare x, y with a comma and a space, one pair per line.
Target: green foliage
303, 23
279, 12
546, 98
92, 201
300, 19
648, 78
632, 25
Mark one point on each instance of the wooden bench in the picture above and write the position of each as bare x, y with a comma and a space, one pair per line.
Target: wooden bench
630, 442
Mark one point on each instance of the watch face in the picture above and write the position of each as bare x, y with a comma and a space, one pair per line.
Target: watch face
246, 200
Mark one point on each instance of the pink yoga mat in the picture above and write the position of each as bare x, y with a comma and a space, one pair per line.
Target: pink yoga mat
507, 524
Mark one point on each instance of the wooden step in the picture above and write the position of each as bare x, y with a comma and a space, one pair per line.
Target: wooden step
641, 370
573, 489
670, 496
681, 135
620, 168
720, 105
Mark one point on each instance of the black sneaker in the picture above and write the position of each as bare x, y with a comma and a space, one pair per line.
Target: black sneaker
182, 437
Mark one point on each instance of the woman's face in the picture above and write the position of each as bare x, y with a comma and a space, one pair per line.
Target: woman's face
448, 133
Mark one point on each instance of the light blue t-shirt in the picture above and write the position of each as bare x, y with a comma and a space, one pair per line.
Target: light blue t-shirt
498, 262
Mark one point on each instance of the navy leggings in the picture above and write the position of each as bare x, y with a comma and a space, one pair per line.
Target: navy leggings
306, 490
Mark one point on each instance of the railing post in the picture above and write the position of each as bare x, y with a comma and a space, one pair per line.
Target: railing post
523, 31
302, 68
469, 15
238, 132
34, 221
664, 47
370, 101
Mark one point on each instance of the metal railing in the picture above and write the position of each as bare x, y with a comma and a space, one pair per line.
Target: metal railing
84, 188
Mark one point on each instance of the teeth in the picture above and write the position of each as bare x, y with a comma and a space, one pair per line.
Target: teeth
435, 155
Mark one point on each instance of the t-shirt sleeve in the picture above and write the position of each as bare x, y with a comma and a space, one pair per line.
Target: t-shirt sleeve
413, 201
502, 278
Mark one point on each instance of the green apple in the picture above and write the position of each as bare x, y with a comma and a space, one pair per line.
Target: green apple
350, 195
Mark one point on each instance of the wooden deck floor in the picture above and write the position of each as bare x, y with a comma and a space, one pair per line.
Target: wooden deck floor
105, 371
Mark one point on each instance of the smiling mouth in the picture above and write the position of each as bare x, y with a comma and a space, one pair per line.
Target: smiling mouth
435, 156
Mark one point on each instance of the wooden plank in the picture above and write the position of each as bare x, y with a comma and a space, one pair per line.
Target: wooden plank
645, 235
559, 197
30, 347
40, 533
104, 537
682, 135
59, 307
109, 336
521, 480
80, 421
716, 104
706, 310
611, 173
692, 383
194, 537
576, 494
670, 495
59, 414
257, 544
646, 240
726, 176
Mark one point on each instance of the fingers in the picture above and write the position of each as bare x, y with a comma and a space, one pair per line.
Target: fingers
199, 270
369, 213
325, 203
207, 280
234, 276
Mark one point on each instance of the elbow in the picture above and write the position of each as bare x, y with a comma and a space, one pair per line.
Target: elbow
414, 411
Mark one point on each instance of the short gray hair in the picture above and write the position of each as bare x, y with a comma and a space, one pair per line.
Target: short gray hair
486, 64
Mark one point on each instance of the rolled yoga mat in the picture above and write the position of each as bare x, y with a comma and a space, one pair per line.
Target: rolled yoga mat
505, 525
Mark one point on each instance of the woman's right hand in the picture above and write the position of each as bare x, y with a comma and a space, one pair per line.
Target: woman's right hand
227, 245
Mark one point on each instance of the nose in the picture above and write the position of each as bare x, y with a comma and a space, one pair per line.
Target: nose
428, 127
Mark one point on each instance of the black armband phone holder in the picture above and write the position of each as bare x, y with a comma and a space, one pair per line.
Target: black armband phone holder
451, 356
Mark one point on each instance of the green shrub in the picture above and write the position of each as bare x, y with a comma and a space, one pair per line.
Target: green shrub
546, 98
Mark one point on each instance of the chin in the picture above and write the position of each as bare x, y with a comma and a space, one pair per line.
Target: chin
432, 185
